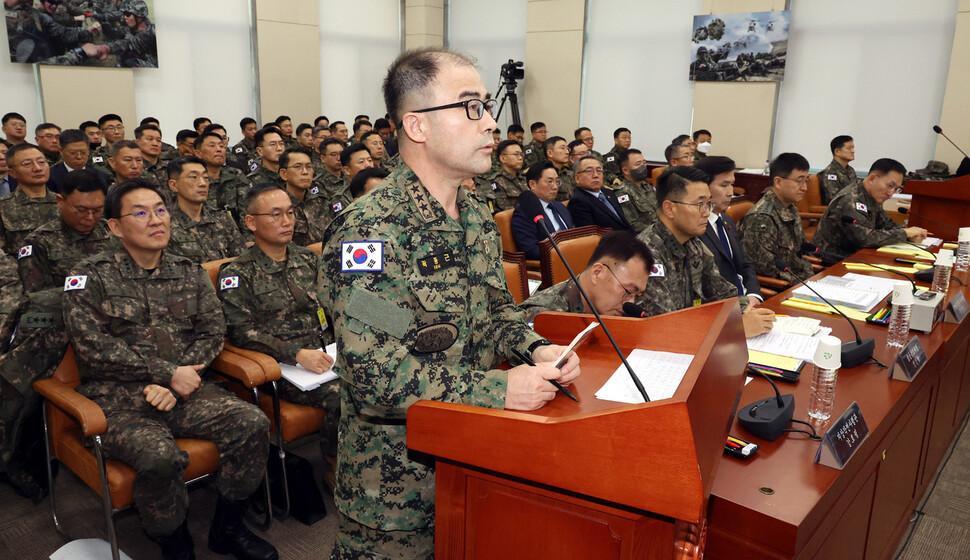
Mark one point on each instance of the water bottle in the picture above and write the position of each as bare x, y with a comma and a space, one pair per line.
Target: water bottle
941, 271
963, 250
767, 170
899, 322
828, 360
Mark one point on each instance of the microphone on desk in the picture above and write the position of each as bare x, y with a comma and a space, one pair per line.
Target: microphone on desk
540, 219
853, 352
768, 418
938, 130
631, 309
812, 249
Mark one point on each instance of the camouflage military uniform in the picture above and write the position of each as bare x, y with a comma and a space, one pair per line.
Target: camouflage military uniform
533, 153
330, 186
227, 191
683, 275
772, 231
597, 155
872, 228
137, 49
11, 401
427, 323
611, 166
263, 175
20, 215
639, 203
506, 189
34, 35
99, 160
215, 236
52, 159
11, 298
271, 307
45, 260
132, 327
568, 184
244, 153
564, 296
833, 179
313, 214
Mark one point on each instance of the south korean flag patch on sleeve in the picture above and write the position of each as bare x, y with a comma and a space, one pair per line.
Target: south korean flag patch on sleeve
861, 207
658, 271
228, 283
25, 251
362, 256
75, 282
623, 198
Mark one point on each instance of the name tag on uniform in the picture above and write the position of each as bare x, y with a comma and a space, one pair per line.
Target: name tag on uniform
25, 251
658, 271
861, 207
361, 256
832, 177
697, 301
228, 283
623, 198
434, 263
75, 282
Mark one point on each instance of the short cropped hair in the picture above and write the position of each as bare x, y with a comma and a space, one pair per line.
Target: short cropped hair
838, 142
536, 170
673, 182
580, 130
200, 138
116, 148
412, 74
680, 139
619, 131
9, 116
14, 150
670, 150
108, 118
175, 167
302, 127
112, 202
140, 131
699, 131
261, 134
783, 165
87, 124
621, 246
504, 145
550, 142
198, 122
536, 126
362, 118
361, 124
73, 135
515, 129
149, 120
579, 162
625, 155
287, 155
357, 183
381, 124
83, 180
715, 165
317, 120
887, 165
254, 191
350, 151
186, 134
246, 121
281, 119
322, 148
45, 126
334, 124
573, 145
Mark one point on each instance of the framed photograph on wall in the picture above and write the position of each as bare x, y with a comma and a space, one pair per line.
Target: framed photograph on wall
742, 47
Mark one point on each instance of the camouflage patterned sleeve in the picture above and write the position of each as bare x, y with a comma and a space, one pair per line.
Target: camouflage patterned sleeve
209, 325
237, 305
11, 298
70, 36
757, 231
34, 267
861, 234
134, 45
102, 354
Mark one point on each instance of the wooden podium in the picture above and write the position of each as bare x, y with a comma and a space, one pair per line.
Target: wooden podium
594, 479
941, 207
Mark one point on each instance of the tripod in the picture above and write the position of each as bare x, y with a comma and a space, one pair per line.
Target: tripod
513, 99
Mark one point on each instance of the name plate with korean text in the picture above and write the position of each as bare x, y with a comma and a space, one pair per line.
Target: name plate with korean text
842, 440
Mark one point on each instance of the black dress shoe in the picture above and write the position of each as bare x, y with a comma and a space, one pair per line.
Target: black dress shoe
229, 535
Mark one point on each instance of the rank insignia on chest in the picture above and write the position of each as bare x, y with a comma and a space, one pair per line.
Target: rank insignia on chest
658, 271
861, 207
434, 263
338, 207
97, 159
75, 282
832, 177
228, 283
623, 198
362, 256
25, 251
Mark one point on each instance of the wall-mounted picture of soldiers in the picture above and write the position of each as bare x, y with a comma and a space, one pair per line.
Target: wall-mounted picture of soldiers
742, 47
105, 33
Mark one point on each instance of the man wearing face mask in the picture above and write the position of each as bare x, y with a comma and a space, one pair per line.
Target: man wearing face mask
702, 141
637, 198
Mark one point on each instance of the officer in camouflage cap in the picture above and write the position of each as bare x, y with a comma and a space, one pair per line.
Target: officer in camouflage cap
420, 306
856, 219
145, 324
616, 274
838, 174
137, 48
269, 295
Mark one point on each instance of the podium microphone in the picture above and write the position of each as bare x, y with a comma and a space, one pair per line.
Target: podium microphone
853, 352
540, 219
812, 249
631, 309
938, 130
768, 418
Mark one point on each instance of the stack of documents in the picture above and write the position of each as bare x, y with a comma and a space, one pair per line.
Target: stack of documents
852, 290
305, 379
796, 346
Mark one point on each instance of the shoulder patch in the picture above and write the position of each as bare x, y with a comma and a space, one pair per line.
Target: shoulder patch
832, 177
610, 158
75, 282
861, 207
361, 256
528, 151
25, 251
97, 159
239, 150
253, 166
658, 271
315, 190
338, 207
228, 283
623, 198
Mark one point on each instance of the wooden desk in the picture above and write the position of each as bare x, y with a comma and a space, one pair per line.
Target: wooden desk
940, 206
781, 505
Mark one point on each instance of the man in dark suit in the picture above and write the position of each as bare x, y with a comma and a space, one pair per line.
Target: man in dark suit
7, 183
721, 237
593, 204
543, 181
74, 151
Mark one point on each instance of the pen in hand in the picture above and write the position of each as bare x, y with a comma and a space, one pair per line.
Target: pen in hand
525, 359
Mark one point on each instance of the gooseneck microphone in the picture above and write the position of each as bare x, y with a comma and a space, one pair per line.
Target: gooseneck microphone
540, 219
938, 130
768, 418
853, 352
812, 249
631, 309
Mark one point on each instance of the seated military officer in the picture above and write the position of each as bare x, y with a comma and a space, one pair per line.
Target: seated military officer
617, 273
508, 183
269, 297
145, 325
269, 146
313, 212
199, 232
31, 204
838, 174
855, 218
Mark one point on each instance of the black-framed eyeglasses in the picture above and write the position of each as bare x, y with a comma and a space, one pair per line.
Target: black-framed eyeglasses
474, 108
701, 206
629, 295
277, 215
144, 215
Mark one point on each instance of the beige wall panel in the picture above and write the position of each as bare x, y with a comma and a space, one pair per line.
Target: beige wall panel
429, 3
288, 11
740, 118
423, 20
554, 60
418, 41
956, 98
289, 70
556, 15
74, 95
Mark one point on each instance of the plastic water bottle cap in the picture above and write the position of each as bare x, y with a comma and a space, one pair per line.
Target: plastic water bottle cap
964, 234
828, 355
944, 257
902, 293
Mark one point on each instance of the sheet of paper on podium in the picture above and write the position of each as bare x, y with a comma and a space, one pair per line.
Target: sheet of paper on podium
305, 379
787, 344
659, 372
